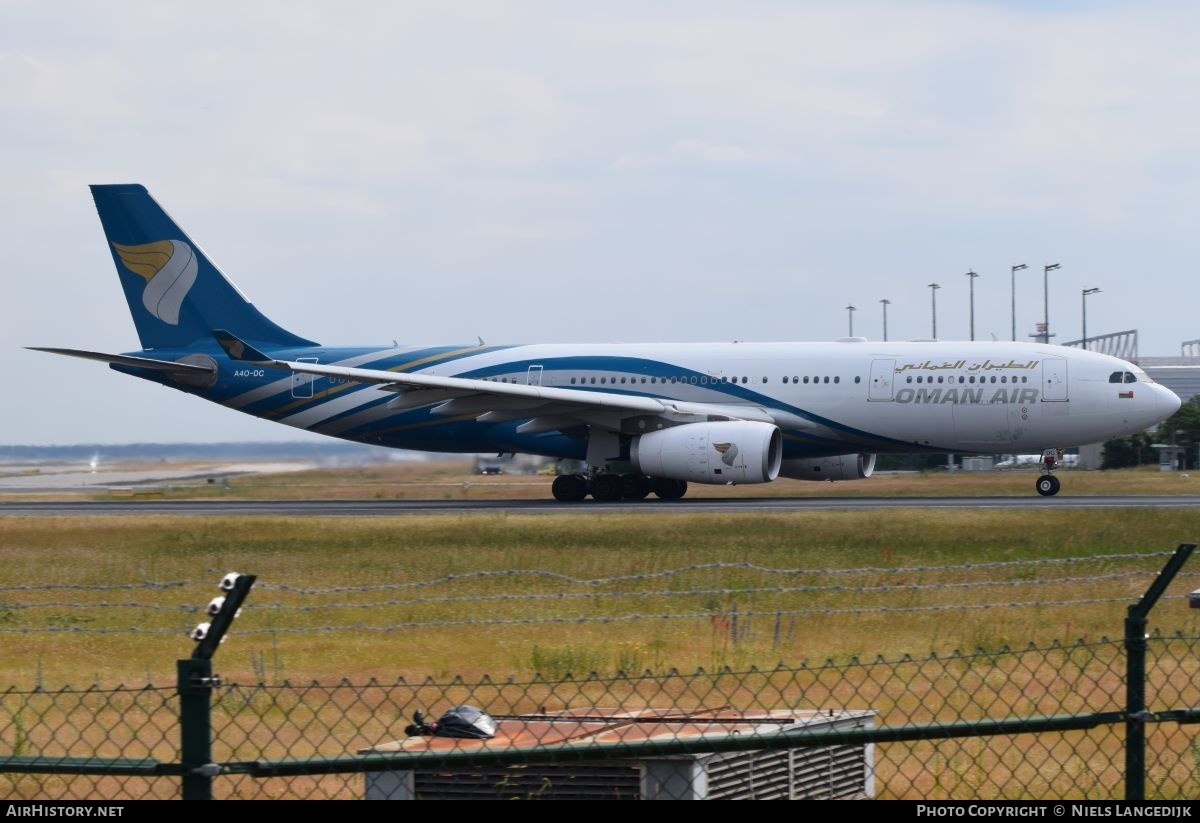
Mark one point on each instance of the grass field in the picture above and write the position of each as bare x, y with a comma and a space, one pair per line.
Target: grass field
511, 594
454, 480
109, 600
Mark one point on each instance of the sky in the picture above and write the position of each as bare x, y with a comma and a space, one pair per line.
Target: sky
566, 172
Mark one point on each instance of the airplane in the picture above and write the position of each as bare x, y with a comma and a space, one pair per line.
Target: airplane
643, 418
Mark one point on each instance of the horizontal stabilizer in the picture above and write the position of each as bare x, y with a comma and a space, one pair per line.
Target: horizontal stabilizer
239, 349
126, 360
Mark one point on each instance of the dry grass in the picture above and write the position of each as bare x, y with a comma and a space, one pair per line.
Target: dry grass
285, 633
454, 480
941, 556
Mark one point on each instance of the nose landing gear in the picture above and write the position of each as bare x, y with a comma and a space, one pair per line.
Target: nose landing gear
1047, 484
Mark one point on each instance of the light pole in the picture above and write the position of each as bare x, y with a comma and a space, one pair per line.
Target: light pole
850, 313
1086, 292
1015, 269
933, 287
971, 274
885, 303
1046, 335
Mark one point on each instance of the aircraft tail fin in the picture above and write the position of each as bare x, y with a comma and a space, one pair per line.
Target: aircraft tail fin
175, 293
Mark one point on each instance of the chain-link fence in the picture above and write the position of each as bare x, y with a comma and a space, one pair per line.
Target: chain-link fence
1038, 722
1101, 720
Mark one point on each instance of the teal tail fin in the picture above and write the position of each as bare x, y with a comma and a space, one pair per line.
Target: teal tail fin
175, 293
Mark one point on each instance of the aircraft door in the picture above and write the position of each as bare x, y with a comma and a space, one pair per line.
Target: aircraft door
1054, 379
883, 372
302, 384
533, 376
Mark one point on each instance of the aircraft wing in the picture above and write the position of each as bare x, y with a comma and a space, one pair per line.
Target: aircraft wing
503, 401
126, 360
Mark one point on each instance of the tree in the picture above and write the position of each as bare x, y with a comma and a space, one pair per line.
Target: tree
1127, 452
1183, 429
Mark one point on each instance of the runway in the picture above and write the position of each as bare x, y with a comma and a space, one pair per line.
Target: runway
400, 508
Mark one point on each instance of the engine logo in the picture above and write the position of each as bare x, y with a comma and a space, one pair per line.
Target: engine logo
728, 452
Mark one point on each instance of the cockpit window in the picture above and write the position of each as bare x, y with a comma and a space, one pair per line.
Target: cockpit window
1130, 377
1115, 377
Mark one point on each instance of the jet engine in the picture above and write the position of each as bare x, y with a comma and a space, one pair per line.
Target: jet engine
733, 451
839, 467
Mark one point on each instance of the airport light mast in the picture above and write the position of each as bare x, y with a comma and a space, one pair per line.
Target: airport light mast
1086, 292
971, 274
850, 313
933, 287
1046, 335
885, 303
1013, 275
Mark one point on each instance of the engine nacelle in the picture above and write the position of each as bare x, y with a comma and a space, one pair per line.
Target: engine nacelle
733, 451
841, 467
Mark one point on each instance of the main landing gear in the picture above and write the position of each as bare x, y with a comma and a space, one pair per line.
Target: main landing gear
607, 487
1047, 484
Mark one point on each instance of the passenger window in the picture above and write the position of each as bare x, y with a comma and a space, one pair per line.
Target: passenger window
806, 381
1003, 379
795, 379
857, 379
972, 378
837, 380
693, 381
785, 380
826, 379
908, 379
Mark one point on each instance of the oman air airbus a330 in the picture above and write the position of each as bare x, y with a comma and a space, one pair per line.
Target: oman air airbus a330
642, 417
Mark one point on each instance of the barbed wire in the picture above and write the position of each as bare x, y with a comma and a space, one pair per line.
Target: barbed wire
883, 588
720, 565
579, 619
98, 587
598, 581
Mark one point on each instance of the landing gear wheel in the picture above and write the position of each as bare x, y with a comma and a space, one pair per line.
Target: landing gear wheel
606, 488
569, 488
669, 489
635, 486
1047, 485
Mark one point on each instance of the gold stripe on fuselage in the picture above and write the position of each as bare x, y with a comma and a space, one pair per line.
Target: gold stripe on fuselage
275, 414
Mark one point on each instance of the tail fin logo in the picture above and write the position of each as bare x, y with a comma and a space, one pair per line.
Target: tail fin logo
169, 267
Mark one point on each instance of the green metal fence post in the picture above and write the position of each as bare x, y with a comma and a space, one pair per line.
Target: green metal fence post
1135, 675
194, 685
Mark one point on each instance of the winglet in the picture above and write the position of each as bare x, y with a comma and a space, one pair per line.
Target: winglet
239, 349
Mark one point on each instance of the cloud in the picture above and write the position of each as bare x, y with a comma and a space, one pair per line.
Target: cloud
628, 158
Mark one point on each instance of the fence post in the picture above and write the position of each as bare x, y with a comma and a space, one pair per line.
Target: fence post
194, 685
1135, 675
